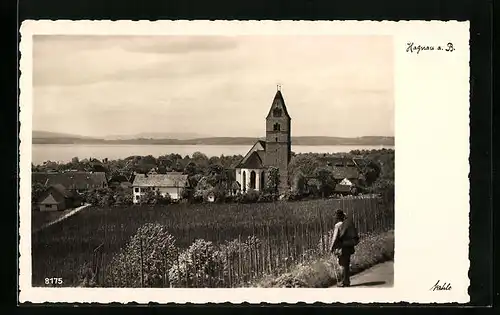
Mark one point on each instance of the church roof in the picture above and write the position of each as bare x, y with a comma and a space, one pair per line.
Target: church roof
260, 147
279, 97
254, 160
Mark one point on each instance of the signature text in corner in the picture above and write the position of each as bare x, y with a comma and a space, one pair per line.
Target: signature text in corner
438, 286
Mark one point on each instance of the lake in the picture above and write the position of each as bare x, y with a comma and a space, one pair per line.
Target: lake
64, 152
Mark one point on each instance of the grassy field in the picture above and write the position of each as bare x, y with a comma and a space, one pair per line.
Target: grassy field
289, 229
39, 219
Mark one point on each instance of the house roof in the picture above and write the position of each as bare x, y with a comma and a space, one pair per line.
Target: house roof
71, 180
58, 192
254, 160
160, 180
259, 147
342, 188
63, 191
338, 161
278, 97
345, 172
118, 179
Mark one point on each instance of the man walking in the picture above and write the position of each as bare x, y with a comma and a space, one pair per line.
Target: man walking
345, 238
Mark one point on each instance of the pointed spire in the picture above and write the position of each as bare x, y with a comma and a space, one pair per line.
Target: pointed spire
278, 97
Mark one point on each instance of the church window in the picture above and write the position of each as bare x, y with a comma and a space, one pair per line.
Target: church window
277, 112
276, 127
252, 179
262, 180
244, 181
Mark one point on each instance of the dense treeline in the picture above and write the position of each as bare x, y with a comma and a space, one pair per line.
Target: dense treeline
310, 176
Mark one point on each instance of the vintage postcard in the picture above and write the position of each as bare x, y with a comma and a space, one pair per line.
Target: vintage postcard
244, 161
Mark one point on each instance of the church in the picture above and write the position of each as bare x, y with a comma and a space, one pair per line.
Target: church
276, 150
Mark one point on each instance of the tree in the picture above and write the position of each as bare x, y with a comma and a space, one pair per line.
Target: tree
200, 159
149, 197
191, 169
303, 163
273, 180
215, 172
37, 190
145, 260
299, 183
326, 181
371, 171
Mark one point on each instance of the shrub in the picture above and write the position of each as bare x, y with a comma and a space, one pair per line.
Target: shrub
87, 276
196, 264
293, 195
250, 196
154, 248
266, 197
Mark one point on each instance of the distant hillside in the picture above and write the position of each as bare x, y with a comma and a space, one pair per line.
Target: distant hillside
55, 138
54, 135
158, 135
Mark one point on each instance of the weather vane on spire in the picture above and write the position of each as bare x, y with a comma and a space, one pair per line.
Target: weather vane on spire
278, 86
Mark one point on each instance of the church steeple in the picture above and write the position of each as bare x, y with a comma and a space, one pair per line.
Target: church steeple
278, 137
278, 106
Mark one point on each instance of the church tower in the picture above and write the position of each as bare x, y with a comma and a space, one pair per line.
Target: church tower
278, 139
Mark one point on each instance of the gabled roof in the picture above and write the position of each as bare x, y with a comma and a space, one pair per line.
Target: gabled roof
254, 161
340, 161
279, 98
160, 180
58, 192
63, 191
259, 146
71, 180
345, 172
120, 178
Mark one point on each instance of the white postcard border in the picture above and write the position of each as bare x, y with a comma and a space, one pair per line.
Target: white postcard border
431, 128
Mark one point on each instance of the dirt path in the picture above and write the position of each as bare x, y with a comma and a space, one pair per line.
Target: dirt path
64, 217
378, 276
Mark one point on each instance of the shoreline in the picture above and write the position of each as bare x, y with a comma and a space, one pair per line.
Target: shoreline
210, 144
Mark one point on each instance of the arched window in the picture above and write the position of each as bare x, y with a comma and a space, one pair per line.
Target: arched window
252, 179
276, 127
262, 181
244, 184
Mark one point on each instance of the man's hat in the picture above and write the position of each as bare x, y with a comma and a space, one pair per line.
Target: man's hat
340, 214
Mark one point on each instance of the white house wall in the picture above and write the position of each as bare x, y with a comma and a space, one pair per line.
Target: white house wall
174, 192
258, 174
346, 182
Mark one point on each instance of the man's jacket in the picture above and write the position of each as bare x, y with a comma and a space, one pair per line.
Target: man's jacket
346, 237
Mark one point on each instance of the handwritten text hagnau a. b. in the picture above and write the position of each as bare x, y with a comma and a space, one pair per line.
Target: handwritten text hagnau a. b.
411, 47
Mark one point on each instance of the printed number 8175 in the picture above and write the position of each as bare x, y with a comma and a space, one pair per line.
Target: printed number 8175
53, 281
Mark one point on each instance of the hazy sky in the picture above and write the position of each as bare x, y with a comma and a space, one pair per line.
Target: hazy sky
216, 86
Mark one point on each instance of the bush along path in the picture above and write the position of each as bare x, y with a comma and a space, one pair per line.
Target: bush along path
373, 250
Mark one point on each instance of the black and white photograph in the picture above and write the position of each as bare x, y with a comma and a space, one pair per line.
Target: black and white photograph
166, 161
208, 161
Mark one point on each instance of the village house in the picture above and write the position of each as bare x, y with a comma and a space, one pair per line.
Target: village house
347, 174
76, 182
57, 198
119, 181
275, 151
172, 184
